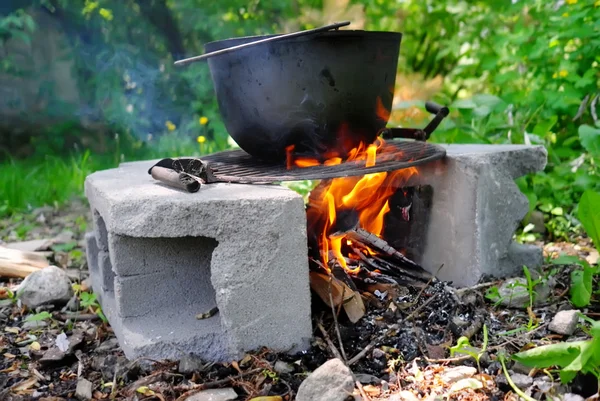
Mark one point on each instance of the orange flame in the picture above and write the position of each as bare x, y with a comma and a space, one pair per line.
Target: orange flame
368, 196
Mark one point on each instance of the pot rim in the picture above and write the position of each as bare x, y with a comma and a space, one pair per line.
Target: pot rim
380, 35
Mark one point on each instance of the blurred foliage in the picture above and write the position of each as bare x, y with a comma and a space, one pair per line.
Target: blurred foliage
512, 72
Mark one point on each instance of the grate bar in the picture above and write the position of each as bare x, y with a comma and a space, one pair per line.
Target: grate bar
238, 166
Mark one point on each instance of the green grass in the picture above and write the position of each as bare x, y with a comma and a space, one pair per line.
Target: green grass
54, 180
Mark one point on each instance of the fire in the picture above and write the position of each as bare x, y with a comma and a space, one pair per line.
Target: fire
366, 197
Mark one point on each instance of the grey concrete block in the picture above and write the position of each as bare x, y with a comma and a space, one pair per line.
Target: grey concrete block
100, 231
107, 276
476, 210
175, 255
92, 250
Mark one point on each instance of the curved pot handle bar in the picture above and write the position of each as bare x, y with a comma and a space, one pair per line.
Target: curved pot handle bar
420, 134
267, 40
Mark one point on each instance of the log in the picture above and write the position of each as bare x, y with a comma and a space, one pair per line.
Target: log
15, 263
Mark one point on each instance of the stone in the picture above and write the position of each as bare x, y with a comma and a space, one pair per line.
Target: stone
83, 391
48, 285
332, 381
52, 356
164, 256
564, 322
572, 397
190, 364
108, 365
283, 367
476, 210
513, 293
34, 324
452, 375
367, 379
518, 367
216, 394
521, 381
537, 219
107, 346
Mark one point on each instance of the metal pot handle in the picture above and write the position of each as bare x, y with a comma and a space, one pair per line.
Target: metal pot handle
420, 134
267, 40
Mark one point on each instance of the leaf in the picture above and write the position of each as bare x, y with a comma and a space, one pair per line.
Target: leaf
560, 354
145, 391
39, 317
590, 139
471, 383
581, 286
570, 260
66, 247
62, 342
589, 215
463, 104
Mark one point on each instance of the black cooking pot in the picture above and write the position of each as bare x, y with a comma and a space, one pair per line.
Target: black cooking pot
319, 95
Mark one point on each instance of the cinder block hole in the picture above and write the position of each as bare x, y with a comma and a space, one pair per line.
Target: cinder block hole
165, 279
100, 231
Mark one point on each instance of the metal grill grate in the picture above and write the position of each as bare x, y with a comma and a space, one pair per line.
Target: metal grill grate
238, 166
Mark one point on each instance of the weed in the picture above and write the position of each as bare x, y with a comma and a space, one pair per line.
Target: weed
463, 346
571, 357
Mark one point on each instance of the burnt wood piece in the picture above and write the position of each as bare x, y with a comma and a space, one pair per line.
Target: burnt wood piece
387, 272
368, 239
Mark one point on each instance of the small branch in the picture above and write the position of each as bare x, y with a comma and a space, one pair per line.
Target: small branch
330, 343
335, 320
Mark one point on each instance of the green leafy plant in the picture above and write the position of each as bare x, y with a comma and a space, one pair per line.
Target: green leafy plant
38, 317
582, 279
570, 357
463, 346
89, 301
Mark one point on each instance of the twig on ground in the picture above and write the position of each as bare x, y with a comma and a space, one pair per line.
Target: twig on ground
335, 320
330, 343
216, 383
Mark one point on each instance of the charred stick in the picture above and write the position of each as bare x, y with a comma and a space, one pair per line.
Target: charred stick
363, 236
396, 270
